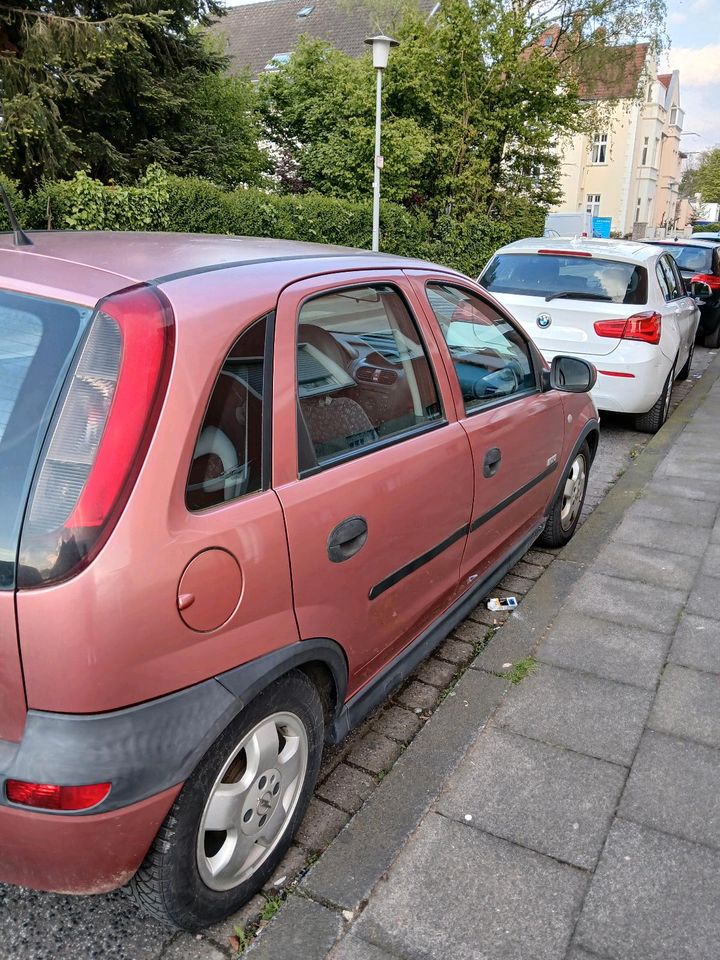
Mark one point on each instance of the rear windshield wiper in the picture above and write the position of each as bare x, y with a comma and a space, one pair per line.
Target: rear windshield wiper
576, 295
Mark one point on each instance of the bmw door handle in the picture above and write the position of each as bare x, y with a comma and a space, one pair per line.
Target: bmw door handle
347, 539
491, 463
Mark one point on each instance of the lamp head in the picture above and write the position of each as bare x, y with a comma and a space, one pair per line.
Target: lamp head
381, 50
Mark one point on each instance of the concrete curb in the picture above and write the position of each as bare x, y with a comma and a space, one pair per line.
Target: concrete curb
341, 882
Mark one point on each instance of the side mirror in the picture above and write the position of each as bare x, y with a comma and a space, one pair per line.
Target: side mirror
572, 375
700, 290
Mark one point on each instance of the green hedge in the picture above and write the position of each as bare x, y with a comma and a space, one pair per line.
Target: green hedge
164, 202
706, 228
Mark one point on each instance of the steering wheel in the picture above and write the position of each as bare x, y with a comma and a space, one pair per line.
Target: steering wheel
500, 383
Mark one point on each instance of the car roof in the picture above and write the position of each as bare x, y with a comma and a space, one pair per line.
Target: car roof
157, 257
685, 242
630, 250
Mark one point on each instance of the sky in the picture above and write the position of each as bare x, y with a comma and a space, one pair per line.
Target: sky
694, 29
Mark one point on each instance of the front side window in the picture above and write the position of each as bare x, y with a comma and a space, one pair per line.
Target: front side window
691, 259
227, 462
599, 148
491, 358
566, 276
363, 376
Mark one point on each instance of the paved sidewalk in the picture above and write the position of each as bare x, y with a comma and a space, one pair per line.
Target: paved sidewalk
574, 815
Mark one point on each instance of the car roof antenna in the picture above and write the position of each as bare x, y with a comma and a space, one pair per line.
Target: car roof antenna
20, 238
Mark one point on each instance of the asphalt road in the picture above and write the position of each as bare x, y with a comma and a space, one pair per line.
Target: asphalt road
35, 926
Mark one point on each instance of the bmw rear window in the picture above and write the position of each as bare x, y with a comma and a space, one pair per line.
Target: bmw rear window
690, 259
38, 338
566, 276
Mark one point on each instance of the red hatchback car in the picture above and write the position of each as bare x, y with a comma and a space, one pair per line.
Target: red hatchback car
246, 486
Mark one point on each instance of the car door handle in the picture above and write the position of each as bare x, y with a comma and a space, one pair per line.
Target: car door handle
491, 463
347, 538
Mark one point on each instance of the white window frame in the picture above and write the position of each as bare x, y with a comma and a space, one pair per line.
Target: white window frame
592, 204
599, 149
646, 147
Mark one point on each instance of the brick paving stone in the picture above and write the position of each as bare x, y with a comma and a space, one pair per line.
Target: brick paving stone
605, 649
322, 824
697, 643
302, 930
289, 867
518, 904
653, 897
471, 632
538, 557
545, 798
417, 696
455, 651
674, 787
593, 716
518, 586
490, 618
531, 571
221, 932
346, 788
436, 672
397, 723
688, 705
375, 752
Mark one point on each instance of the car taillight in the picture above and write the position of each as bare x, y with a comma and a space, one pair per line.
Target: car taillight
99, 436
640, 326
709, 278
50, 796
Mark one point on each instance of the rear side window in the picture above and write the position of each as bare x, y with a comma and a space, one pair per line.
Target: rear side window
228, 458
491, 358
566, 276
689, 258
672, 279
363, 374
38, 338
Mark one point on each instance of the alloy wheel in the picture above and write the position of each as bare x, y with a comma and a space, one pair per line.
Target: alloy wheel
252, 801
573, 492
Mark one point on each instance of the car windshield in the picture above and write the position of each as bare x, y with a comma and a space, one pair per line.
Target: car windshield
566, 276
690, 259
37, 340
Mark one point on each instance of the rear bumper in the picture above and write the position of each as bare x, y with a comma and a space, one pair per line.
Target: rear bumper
630, 379
79, 854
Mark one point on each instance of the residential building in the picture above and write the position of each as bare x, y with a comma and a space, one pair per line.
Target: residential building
628, 170
261, 36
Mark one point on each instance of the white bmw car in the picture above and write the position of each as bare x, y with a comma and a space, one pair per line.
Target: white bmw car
621, 305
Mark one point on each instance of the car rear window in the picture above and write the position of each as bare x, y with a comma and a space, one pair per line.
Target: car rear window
38, 338
566, 276
690, 259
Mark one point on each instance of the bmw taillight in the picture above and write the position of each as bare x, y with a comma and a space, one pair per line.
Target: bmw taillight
640, 326
99, 436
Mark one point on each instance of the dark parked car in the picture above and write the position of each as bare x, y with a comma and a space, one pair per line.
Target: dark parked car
699, 262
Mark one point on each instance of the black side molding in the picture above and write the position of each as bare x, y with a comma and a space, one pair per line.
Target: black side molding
381, 686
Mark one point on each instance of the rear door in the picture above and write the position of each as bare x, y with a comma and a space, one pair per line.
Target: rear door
680, 314
516, 431
558, 296
371, 467
38, 338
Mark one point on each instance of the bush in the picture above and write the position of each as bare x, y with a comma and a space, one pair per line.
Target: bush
706, 228
193, 205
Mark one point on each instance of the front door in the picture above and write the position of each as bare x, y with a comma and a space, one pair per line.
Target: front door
373, 472
516, 431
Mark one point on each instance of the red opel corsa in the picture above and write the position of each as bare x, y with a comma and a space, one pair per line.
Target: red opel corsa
246, 486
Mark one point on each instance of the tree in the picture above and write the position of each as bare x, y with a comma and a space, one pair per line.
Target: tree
111, 86
705, 177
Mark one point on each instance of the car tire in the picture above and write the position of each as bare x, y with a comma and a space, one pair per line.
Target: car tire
236, 815
651, 421
712, 340
565, 512
685, 372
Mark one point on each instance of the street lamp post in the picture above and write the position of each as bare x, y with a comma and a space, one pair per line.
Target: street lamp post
381, 52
